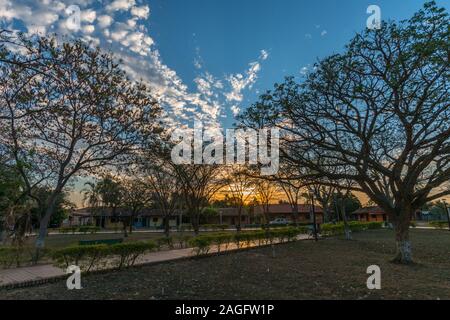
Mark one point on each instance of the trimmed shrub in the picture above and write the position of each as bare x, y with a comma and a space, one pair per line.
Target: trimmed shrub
12, 257
439, 224
66, 230
88, 229
164, 241
214, 227
183, 240
82, 229
127, 253
95, 257
202, 243
86, 257
331, 229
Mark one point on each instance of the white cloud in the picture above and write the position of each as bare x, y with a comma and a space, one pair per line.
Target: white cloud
240, 82
120, 5
323, 33
104, 21
140, 12
8, 11
127, 37
304, 71
264, 55
235, 110
88, 16
88, 28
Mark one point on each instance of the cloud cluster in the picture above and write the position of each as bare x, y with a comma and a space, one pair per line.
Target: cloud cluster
121, 27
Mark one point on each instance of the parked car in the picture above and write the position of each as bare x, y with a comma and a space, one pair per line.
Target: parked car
279, 221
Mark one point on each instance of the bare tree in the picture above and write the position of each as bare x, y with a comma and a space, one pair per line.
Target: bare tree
265, 191
290, 181
165, 186
239, 186
198, 184
380, 110
136, 196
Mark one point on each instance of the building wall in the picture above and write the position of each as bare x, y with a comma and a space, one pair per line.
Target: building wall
368, 217
155, 222
302, 217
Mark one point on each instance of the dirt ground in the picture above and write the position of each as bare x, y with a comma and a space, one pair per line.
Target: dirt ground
332, 268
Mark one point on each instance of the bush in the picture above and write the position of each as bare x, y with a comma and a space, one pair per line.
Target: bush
186, 227
331, 229
66, 230
164, 241
183, 241
95, 257
82, 229
127, 253
203, 243
12, 257
86, 257
253, 225
214, 227
88, 229
439, 224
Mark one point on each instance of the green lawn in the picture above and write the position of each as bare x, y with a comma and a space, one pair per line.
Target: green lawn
64, 240
333, 268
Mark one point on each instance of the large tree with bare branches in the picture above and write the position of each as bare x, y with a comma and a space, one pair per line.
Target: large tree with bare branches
378, 114
198, 185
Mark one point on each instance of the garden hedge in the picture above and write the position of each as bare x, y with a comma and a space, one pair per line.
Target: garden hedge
439, 224
95, 257
203, 243
331, 229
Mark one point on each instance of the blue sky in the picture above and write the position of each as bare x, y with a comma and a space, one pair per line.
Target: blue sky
229, 34
208, 59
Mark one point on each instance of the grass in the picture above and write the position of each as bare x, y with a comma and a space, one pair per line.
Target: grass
333, 268
56, 241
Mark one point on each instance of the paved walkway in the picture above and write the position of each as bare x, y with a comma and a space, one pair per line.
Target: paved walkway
24, 275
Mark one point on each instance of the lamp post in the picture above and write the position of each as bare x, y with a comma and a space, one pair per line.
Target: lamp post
311, 194
448, 214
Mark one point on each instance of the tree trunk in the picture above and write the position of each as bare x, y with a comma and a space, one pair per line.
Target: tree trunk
195, 223
348, 232
404, 250
125, 227
2, 235
326, 213
131, 224
43, 227
166, 226
238, 225
295, 214
43, 224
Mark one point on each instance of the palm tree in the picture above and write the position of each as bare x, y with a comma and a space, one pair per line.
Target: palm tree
91, 197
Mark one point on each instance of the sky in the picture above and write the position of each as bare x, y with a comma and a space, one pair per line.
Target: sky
207, 59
